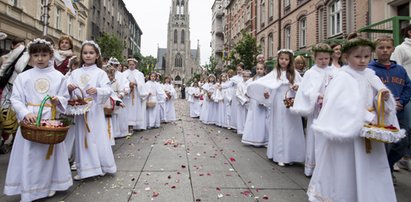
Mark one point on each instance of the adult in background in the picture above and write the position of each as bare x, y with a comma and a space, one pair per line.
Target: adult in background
260, 59
402, 56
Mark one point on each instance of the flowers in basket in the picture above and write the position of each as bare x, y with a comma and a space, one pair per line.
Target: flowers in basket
381, 132
197, 95
386, 134
78, 106
288, 101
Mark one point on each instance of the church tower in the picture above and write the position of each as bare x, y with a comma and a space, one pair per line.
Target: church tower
180, 61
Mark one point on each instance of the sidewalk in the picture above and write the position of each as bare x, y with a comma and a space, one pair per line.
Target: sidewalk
189, 161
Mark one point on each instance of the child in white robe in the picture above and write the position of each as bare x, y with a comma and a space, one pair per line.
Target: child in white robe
227, 92
255, 127
112, 104
209, 109
122, 89
171, 96
347, 172
242, 98
94, 155
161, 101
155, 92
309, 98
194, 99
286, 143
234, 103
29, 172
135, 101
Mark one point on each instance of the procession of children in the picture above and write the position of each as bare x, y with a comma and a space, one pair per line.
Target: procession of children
94, 103
333, 118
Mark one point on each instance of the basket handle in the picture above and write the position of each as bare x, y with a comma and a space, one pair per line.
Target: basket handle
40, 112
286, 93
380, 110
82, 94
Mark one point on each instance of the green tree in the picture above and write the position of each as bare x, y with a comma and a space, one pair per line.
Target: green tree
211, 66
111, 46
245, 51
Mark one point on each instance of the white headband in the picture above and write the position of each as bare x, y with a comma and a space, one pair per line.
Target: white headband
40, 41
91, 42
132, 59
114, 61
286, 50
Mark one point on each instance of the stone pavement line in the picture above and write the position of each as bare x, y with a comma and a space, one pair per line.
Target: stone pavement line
188, 160
141, 170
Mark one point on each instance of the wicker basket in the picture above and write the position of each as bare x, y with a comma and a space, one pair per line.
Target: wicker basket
288, 101
78, 109
41, 134
151, 104
108, 111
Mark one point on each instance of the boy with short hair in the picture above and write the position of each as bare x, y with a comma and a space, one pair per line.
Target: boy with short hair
395, 77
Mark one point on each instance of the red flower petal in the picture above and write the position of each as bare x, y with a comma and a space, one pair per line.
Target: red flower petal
265, 197
173, 187
155, 194
232, 159
183, 166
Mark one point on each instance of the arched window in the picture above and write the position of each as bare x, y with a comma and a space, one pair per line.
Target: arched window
302, 26
182, 7
270, 45
262, 44
175, 36
287, 36
178, 61
182, 36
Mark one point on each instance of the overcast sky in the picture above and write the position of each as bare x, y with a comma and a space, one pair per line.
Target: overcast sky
152, 17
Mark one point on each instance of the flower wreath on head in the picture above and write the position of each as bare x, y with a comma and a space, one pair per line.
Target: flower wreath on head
285, 50
91, 42
40, 41
357, 42
114, 61
321, 50
211, 75
132, 59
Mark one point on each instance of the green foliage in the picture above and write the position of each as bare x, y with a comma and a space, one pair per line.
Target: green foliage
111, 46
245, 51
146, 64
196, 77
211, 66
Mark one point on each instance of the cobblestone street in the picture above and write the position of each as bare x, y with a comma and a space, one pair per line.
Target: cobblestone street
189, 161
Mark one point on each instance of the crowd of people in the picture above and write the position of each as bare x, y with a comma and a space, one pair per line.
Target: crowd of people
319, 116
101, 98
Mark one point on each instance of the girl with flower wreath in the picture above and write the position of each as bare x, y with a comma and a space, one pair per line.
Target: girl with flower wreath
194, 94
30, 173
346, 170
286, 143
208, 114
155, 93
93, 152
309, 97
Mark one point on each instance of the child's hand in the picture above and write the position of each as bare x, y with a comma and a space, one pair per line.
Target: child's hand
91, 91
122, 105
399, 106
55, 100
266, 94
71, 87
385, 94
294, 87
31, 118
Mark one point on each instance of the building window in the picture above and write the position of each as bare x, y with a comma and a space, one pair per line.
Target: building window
15, 3
335, 17
262, 13
175, 36
70, 25
182, 36
270, 45
287, 36
320, 26
182, 8
58, 18
80, 31
262, 44
287, 5
270, 9
302, 25
178, 61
